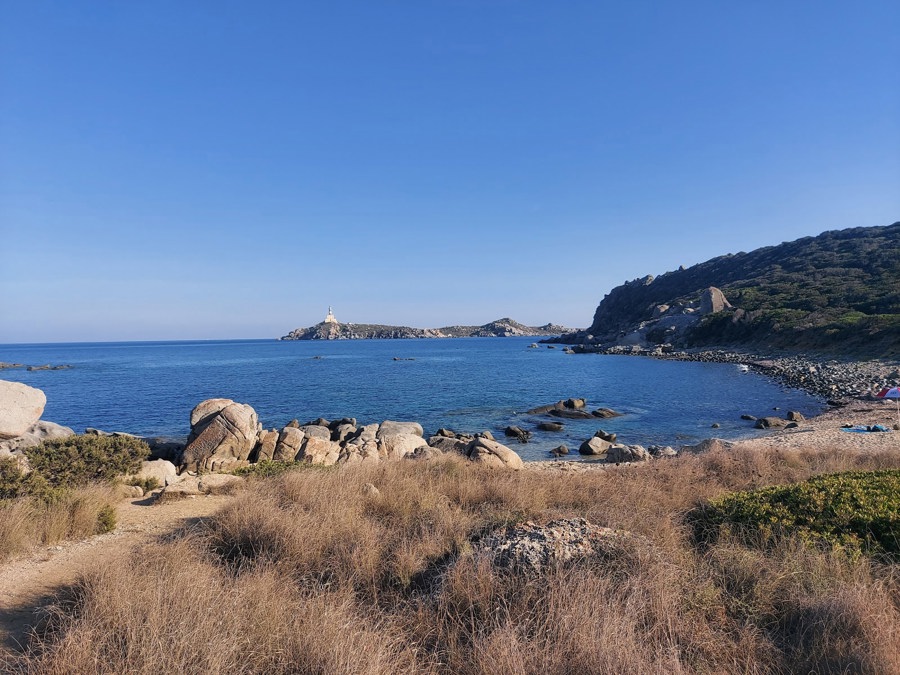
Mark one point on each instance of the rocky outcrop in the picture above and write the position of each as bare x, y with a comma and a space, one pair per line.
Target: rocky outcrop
20, 407
532, 549
223, 434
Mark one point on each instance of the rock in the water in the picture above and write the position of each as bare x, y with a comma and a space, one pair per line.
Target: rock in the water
550, 426
568, 414
605, 413
532, 549
594, 446
492, 454
560, 450
21, 407
749, 418
606, 436
513, 431
222, 431
627, 453
769, 423
795, 416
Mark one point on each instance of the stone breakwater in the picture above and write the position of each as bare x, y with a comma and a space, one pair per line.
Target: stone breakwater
831, 378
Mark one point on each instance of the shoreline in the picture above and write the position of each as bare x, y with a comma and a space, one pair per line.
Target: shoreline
840, 379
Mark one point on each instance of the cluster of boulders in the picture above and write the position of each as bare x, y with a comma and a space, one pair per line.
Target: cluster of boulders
226, 435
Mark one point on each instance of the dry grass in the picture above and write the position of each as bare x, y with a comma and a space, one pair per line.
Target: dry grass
72, 514
309, 572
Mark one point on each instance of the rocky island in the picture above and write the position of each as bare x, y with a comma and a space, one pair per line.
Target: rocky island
332, 329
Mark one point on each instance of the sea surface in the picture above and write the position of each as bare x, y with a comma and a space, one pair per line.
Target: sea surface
465, 384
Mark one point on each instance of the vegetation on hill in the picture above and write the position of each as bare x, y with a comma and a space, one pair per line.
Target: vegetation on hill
838, 290
315, 571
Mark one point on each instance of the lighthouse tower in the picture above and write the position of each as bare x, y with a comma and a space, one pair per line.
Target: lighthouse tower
329, 318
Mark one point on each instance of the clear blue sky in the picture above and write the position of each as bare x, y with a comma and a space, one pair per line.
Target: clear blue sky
229, 169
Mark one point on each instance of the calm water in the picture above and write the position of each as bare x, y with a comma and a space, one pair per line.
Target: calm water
465, 384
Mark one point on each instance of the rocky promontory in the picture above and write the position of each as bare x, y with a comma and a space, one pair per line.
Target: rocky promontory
506, 327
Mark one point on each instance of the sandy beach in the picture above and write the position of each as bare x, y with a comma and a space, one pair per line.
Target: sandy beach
825, 430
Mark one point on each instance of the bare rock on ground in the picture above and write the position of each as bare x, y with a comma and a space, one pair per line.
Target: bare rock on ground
534, 549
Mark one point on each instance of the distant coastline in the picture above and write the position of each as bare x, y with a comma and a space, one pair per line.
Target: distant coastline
331, 329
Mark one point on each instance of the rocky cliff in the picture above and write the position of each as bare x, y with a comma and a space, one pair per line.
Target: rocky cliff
838, 291
360, 331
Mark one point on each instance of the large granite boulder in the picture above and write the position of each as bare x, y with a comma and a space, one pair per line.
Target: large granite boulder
316, 431
713, 300
319, 451
398, 446
163, 471
20, 407
594, 446
36, 434
287, 447
493, 454
265, 446
222, 432
627, 453
390, 428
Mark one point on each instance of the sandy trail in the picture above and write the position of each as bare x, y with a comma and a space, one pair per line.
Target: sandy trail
30, 581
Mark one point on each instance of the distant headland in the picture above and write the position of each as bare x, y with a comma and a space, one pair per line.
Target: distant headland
332, 329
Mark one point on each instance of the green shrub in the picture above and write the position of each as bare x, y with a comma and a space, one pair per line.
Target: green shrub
106, 519
78, 460
147, 483
858, 511
15, 484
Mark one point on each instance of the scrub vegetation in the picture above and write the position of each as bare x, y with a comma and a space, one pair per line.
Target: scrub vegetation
67, 494
317, 572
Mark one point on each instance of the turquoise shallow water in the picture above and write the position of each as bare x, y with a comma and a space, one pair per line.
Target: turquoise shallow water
469, 384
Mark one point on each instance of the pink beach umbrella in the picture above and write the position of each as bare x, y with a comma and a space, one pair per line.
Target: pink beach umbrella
894, 393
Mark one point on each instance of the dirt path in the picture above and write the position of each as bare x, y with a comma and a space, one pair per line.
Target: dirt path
29, 582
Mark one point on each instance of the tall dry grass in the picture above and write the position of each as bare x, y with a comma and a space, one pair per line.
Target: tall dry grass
311, 572
72, 514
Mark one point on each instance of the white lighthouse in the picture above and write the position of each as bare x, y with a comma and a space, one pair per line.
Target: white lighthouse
329, 318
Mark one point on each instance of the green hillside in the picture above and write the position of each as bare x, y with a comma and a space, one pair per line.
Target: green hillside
839, 291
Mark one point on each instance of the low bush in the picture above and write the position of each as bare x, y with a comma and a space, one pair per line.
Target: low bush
858, 511
147, 483
78, 460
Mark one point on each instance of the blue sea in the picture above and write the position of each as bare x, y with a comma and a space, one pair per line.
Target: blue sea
466, 384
